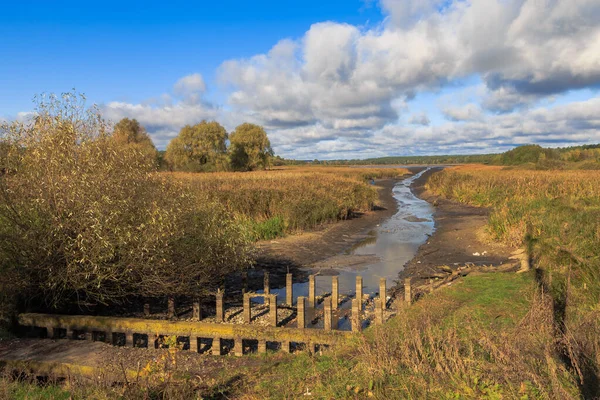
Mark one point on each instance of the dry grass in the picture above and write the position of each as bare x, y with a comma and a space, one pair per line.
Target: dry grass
290, 199
556, 214
460, 342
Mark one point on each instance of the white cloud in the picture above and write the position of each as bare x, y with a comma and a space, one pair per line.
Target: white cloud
467, 112
561, 125
343, 91
164, 116
193, 83
522, 49
419, 119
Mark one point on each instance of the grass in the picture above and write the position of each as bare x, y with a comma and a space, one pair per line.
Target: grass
272, 203
556, 215
482, 337
487, 336
30, 391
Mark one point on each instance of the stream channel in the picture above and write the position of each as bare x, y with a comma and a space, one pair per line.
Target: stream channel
385, 251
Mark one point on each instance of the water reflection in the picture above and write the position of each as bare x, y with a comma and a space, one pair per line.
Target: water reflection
399, 237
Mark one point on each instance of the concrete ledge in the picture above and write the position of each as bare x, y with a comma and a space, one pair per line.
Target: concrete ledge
180, 328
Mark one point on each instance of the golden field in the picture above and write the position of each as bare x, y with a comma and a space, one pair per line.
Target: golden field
556, 213
289, 199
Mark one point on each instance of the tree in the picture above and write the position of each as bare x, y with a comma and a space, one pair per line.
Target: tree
198, 148
128, 132
250, 148
85, 220
530, 153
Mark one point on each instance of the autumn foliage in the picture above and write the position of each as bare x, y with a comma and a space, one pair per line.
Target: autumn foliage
86, 220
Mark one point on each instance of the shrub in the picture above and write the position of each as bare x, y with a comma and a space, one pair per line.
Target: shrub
84, 219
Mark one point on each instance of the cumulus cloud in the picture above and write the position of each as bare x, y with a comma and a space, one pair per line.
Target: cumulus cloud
561, 125
342, 91
164, 116
193, 83
467, 112
419, 119
345, 78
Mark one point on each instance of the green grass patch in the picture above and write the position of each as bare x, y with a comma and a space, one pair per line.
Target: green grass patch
270, 229
492, 299
16, 390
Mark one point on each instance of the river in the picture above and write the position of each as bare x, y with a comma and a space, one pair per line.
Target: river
385, 250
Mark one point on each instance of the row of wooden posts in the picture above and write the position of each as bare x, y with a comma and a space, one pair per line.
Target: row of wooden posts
137, 331
304, 305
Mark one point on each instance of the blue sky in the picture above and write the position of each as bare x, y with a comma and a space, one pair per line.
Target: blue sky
328, 79
132, 51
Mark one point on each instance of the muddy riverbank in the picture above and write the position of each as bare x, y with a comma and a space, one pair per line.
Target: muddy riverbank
303, 250
459, 239
301, 253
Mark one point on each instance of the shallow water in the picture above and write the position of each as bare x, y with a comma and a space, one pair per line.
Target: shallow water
382, 254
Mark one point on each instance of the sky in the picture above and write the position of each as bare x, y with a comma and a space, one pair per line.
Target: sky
327, 79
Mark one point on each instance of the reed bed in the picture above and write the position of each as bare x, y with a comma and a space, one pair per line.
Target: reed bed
556, 215
272, 203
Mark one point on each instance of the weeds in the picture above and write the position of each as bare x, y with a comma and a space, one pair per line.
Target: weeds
276, 202
557, 216
445, 346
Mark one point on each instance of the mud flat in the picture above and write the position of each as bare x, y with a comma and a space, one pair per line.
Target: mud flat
305, 249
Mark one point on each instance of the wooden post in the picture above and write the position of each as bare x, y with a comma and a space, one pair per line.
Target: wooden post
273, 310
289, 290
356, 316
219, 305
151, 340
286, 347
108, 337
327, 320
146, 309
196, 313
359, 290
383, 293
171, 307
247, 308
311, 291
430, 285
70, 333
267, 288
301, 317
129, 339
378, 312
89, 336
335, 292
262, 347
238, 347
216, 346
407, 291
50, 332
194, 344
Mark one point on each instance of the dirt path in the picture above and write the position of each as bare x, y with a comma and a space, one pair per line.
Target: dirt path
459, 238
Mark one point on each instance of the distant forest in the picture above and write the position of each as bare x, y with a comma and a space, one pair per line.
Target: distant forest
531, 155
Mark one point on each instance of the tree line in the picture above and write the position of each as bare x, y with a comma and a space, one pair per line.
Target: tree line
203, 147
